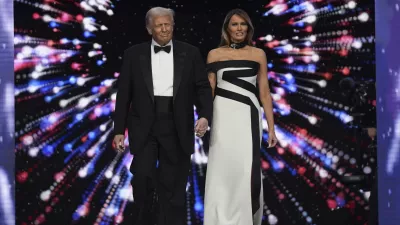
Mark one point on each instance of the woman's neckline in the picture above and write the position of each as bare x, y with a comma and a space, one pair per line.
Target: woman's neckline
243, 60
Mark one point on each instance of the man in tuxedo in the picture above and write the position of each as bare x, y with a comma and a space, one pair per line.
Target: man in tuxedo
160, 82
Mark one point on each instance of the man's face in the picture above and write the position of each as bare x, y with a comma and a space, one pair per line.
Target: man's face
161, 28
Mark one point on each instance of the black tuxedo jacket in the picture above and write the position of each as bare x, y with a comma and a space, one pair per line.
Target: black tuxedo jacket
135, 98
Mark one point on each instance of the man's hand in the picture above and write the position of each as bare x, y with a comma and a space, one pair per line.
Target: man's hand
201, 127
119, 143
371, 132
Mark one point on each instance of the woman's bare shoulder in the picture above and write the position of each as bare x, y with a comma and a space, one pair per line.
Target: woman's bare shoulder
215, 54
258, 54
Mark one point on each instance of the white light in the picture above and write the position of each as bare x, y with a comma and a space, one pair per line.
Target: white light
32, 89
91, 152
83, 102
56, 90
45, 195
272, 219
367, 170
20, 56
85, 6
46, 18
103, 138
35, 75
288, 47
80, 81
96, 46
28, 140
63, 103
97, 111
26, 51
114, 96
33, 152
92, 53
363, 17
53, 118
276, 97
351, 4
108, 82
103, 127
115, 179
101, 8
125, 193
315, 58
313, 38
322, 83
323, 173
357, 44
278, 8
42, 51
17, 40
312, 119
87, 21
268, 37
311, 19
309, 7
110, 12
109, 174
103, 27
289, 76
83, 172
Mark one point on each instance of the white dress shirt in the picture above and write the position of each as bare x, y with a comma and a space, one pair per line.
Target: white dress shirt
162, 65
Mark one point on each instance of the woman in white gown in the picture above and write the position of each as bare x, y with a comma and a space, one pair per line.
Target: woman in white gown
234, 193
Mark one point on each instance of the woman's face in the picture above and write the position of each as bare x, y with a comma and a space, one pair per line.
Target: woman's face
237, 29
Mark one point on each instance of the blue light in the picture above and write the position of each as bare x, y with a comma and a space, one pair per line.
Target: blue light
87, 34
106, 111
95, 89
79, 117
198, 207
48, 150
292, 88
92, 135
296, 8
72, 80
68, 147
76, 41
76, 216
48, 99
53, 24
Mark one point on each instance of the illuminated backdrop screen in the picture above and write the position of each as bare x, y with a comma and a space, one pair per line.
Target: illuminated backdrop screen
67, 59
6, 114
388, 84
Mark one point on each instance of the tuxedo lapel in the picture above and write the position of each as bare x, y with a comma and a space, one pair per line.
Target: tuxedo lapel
179, 60
145, 65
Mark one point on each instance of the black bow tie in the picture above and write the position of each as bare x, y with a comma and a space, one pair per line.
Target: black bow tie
157, 48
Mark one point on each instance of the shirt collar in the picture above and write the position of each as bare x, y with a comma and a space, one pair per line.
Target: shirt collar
153, 42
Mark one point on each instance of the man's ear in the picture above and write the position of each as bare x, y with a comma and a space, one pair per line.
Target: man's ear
149, 31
